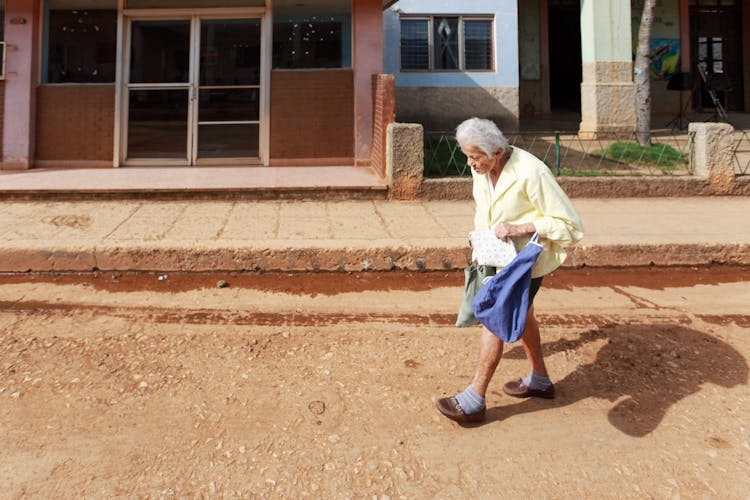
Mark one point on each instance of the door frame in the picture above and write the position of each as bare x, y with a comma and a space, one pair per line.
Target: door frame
124, 24
734, 13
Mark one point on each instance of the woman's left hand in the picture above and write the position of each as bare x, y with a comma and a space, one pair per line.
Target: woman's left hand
504, 230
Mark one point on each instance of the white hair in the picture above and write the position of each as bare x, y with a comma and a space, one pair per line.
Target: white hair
482, 134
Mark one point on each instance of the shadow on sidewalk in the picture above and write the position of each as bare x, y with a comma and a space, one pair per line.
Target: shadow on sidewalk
645, 368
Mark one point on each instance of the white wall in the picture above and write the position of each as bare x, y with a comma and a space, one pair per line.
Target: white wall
506, 43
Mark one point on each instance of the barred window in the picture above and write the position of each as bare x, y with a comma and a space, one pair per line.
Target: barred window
478, 44
415, 47
447, 43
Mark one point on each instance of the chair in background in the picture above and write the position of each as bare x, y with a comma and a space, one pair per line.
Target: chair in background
715, 83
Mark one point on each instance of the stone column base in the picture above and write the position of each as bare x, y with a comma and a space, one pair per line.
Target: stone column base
607, 99
404, 160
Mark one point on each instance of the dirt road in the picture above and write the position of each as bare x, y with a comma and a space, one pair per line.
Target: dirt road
286, 386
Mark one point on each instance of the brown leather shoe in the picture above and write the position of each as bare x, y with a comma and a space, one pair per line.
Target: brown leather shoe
451, 409
518, 389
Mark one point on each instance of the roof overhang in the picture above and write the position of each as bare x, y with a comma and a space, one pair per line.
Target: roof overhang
388, 3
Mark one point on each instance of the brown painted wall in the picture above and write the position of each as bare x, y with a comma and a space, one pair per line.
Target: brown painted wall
75, 122
312, 114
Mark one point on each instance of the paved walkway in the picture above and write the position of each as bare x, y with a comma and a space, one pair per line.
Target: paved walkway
288, 235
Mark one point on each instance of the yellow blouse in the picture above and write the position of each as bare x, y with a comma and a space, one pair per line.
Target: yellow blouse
526, 191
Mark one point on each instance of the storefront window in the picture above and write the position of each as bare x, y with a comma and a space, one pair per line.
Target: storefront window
80, 43
307, 38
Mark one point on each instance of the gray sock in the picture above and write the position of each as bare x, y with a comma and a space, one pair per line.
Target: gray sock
536, 382
470, 401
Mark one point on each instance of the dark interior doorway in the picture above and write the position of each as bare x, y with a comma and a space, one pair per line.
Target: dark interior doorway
565, 66
716, 40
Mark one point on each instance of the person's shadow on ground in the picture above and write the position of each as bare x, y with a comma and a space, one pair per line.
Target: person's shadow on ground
653, 366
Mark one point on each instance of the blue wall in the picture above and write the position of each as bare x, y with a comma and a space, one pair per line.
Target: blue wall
506, 43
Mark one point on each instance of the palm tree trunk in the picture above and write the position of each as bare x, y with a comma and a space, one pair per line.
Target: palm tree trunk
642, 78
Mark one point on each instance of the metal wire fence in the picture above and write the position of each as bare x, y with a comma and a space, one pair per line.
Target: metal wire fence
569, 153
741, 152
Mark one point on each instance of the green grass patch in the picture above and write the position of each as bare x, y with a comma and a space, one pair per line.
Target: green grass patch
658, 155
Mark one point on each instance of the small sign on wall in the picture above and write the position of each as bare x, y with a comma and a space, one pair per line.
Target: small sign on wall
17, 20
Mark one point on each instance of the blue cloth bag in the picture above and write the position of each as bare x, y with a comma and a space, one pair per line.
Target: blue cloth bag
502, 303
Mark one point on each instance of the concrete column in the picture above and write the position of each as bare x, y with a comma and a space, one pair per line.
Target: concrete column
367, 60
21, 37
404, 160
607, 91
712, 155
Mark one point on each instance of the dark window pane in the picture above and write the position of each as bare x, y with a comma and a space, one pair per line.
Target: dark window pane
311, 41
445, 34
157, 125
478, 44
230, 52
415, 47
160, 52
228, 141
82, 46
219, 105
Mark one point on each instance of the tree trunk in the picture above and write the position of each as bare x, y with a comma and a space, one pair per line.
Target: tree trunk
642, 77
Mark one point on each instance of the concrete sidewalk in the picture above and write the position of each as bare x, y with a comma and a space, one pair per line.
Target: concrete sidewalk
290, 235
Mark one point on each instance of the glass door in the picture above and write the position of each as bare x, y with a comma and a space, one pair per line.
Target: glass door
192, 91
159, 91
228, 115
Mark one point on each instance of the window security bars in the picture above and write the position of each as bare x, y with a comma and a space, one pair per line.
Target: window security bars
447, 43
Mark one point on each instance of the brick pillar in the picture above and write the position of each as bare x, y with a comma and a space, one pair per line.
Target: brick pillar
384, 114
19, 110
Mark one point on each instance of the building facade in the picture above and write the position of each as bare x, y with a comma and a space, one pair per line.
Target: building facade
111, 83
510, 59
452, 58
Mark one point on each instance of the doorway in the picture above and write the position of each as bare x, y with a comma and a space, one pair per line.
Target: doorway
716, 41
192, 91
565, 59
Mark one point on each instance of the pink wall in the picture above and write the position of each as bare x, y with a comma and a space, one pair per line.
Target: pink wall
20, 83
367, 58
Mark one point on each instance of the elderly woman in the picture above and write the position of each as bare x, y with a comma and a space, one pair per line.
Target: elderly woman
517, 195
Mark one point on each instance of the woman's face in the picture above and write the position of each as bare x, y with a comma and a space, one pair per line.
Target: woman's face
478, 159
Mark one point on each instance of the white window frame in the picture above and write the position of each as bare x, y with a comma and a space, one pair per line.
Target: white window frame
461, 42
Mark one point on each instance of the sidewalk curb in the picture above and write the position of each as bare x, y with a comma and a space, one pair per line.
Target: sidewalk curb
311, 258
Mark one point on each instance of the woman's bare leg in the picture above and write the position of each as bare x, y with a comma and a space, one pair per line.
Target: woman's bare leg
532, 344
490, 352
